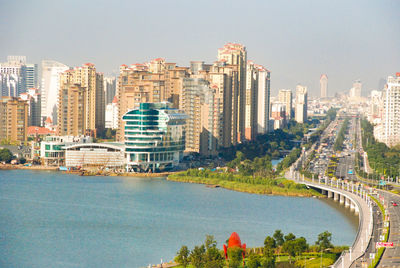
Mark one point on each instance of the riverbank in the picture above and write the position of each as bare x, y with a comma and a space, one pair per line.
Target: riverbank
87, 172
33, 167
247, 184
263, 186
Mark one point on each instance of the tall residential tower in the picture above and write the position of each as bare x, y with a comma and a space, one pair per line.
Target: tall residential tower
81, 93
50, 87
301, 104
324, 85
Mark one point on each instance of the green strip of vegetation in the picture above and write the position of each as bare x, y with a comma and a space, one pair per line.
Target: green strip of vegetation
338, 146
382, 159
242, 183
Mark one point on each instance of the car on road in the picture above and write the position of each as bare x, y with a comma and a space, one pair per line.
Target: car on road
394, 204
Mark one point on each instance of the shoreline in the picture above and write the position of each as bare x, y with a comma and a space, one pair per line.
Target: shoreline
95, 173
238, 187
251, 188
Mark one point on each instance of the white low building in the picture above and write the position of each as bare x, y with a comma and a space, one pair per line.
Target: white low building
110, 155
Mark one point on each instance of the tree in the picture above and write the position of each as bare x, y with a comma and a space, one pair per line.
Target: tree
253, 261
278, 236
300, 246
213, 257
290, 237
289, 248
183, 256
268, 262
197, 256
235, 256
324, 240
5, 155
269, 243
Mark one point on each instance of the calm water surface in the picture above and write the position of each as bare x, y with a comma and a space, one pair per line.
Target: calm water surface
50, 219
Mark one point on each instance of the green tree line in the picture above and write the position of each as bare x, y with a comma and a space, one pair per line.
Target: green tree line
276, 245
382, 159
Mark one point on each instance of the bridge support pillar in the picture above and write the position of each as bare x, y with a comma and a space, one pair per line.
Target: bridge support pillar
347, 203
330, 194
341, 199
335, 196
323, 192
356, 210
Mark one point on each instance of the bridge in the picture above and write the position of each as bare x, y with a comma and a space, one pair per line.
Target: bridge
353, 196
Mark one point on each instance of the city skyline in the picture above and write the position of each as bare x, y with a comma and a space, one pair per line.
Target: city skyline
343, 44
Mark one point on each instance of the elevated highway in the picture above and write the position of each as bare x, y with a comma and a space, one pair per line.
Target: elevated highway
356, 198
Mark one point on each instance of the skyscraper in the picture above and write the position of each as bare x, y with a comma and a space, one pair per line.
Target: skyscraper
30, 73
82, 82
285, 96
391, 111
324, 85
72, 110
50, 87
16, 76
301, 104
200, 102
251, 102
355, 91
110, 87
263, 100
32, 97
235, 56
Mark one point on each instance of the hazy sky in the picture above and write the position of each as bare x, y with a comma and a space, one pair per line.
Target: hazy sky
296, 40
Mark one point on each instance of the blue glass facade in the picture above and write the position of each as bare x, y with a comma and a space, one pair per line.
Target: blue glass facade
154, 137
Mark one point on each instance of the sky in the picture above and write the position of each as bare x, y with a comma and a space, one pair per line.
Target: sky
296, 40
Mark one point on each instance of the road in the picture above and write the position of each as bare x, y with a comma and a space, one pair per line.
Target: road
391, 256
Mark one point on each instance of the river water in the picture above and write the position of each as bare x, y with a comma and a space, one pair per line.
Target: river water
50, 219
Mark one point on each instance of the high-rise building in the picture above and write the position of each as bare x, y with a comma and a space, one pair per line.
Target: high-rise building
110, 86
12, 74
30, 73
263, 99
137, 84
112, 114
355, 91
155, 81
32, 97
201, 103
301, 104
9, 84
285, 96
324, 85
154, 137
17, 76
50, 87
72, 110
278, 114
13, 119
251, 103
235, 57
376, 107
81, 90
391, 110
221, 80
